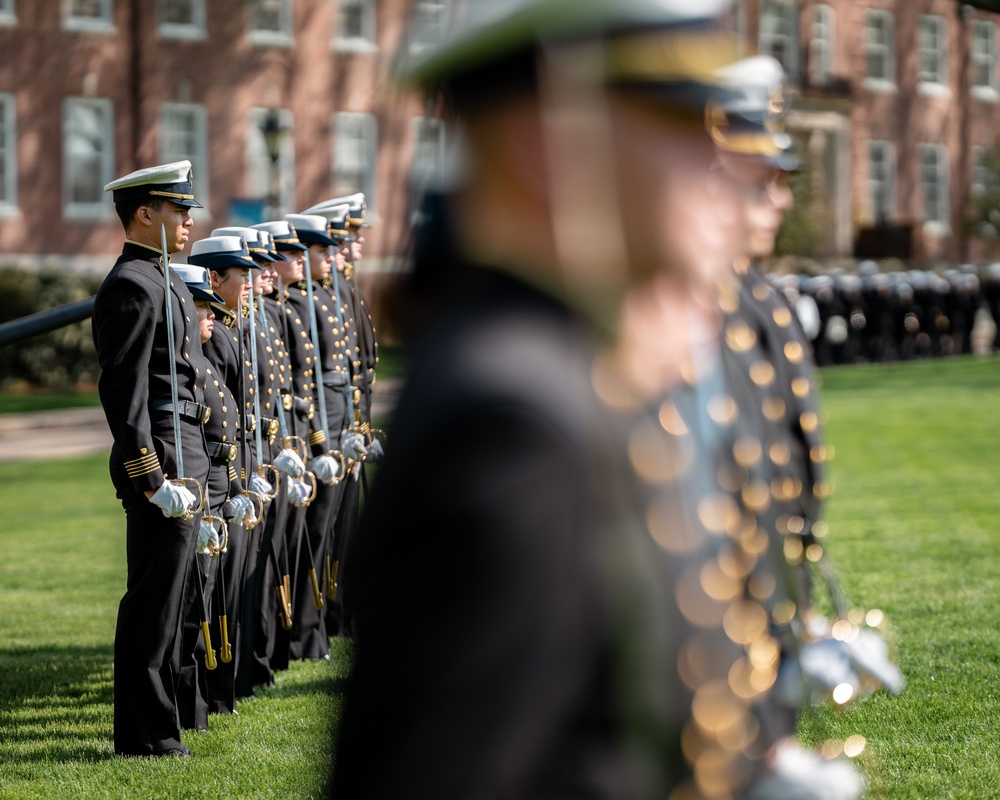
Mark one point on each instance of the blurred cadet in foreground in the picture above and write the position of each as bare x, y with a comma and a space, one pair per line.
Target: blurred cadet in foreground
782, 448
564, 578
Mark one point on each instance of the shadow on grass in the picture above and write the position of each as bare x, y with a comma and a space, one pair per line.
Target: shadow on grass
55, 703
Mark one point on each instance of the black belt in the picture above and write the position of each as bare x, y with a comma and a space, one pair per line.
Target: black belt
269, 425
222, 452
187, 409
334, 379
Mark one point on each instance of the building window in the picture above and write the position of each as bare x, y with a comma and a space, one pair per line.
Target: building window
355, 145
355, 25
427, 169
984, 55
429, 24
933, 49
271, 22
8, 154
260, 172
183, 135
7, 14
778, 27
182, 19
985, 175
879, 47
88, 156
934, 182
821, 46
881, 181
89, 15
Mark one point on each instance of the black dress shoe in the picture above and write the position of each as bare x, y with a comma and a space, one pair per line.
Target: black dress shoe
176, 752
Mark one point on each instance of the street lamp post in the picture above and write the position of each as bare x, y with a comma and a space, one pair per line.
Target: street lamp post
273, 133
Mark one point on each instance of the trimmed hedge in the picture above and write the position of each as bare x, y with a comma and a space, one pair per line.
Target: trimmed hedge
61, 359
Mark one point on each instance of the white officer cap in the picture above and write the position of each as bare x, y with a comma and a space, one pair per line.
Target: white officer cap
170, 181
252, 236
311, 228
221, 252
283, 233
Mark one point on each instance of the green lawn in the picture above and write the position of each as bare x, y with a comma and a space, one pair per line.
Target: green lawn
20, 402
915, 524
61, 576
915, 527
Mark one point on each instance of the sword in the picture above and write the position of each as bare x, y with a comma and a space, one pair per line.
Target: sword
262, 468
180, 479
247, 524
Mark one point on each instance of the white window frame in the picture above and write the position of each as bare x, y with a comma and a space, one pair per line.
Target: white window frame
932, 55
885, 50
198, 156
937, 220
103, 24
419, 25
345, 125
8, 154
822, 46
428, 163
8, 13
365, 42
258, 172
881, 180
269, 38
100, 207
783, 32
984, 59
191, 31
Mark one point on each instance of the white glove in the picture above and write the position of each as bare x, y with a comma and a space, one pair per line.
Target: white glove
375, 452
262, 487
325, 468
208, 539
241, 508
173, 499
288, 461
352, 445
799, 774
298, 493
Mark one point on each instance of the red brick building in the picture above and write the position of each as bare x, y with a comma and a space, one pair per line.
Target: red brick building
896, 103
93, 89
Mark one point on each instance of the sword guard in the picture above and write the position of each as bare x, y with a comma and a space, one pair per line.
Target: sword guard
298, 444
196, 488
262, 471
248, 524
342, 472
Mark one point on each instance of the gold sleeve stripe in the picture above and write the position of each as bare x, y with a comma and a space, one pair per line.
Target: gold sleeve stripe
317, 437
232, 473
142, 466
135, 462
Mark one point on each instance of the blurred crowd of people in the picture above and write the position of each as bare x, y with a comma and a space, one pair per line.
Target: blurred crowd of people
874, 316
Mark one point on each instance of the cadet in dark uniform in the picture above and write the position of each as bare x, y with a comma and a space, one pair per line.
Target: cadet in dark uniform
305, 640
309, 636
545, 523
135, 386
229, 264
221, 438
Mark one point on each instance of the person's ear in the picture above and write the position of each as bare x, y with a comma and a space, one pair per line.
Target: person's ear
215, 278
143, 216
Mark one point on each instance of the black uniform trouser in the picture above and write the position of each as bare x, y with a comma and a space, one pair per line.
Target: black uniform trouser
192, 689
262, 612
159, 553
309, 637
341, 608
